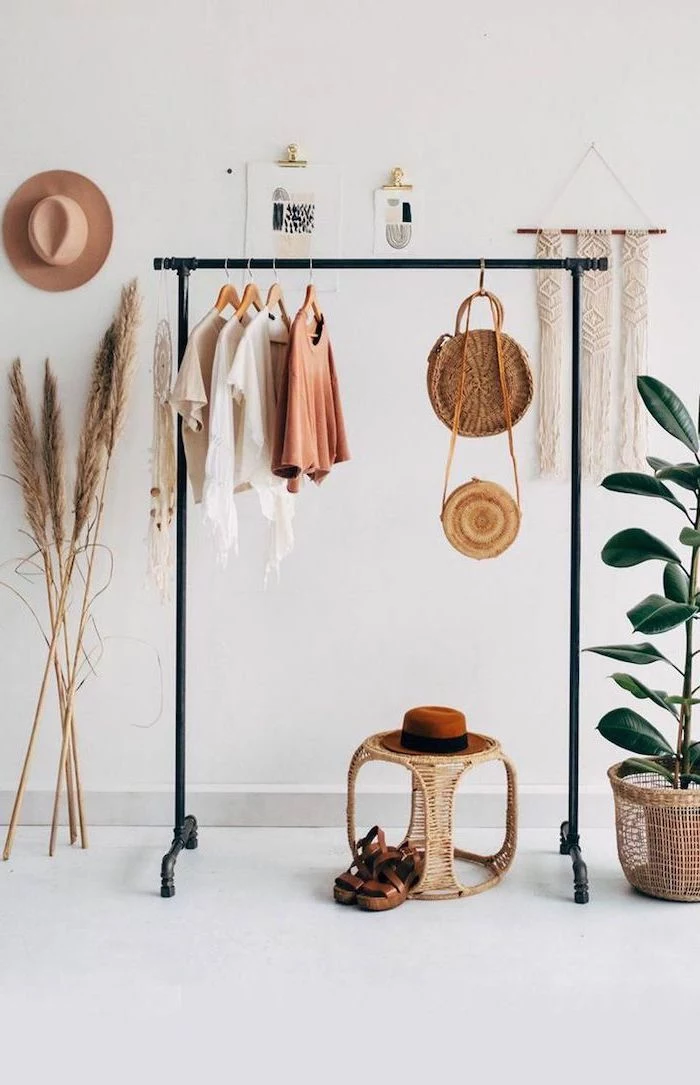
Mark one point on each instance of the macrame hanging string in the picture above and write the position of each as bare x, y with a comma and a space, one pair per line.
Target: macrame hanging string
163, 462
550, 301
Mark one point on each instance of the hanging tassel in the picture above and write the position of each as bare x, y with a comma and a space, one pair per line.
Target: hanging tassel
633, 339
551, 315
596, 355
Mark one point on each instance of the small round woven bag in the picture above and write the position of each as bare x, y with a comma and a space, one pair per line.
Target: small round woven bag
481, 519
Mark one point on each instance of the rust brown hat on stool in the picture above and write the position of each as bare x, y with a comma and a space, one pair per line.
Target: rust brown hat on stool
57, 230
430, 729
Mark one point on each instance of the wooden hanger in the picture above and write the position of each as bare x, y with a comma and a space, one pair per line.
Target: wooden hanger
251, 296
310, 303
228, 295
275, 298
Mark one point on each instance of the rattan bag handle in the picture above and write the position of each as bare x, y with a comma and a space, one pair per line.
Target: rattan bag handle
465, 307
497, 316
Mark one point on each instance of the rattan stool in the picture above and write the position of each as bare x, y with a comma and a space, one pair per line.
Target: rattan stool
435, 782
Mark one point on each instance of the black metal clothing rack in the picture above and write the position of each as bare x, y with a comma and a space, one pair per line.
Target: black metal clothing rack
185, 831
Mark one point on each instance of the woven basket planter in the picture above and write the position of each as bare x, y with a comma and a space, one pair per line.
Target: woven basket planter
658, 835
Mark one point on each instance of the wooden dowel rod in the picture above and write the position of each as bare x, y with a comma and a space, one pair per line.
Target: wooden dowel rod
574, 230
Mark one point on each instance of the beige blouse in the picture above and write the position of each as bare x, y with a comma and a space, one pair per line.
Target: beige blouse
309, 426
191, 395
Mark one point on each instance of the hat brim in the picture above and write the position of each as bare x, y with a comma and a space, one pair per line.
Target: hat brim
16, 236
477, 744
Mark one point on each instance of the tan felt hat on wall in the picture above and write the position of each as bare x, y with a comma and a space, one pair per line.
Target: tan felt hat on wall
57, 230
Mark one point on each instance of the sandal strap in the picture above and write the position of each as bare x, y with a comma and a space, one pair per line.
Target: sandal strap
372, 848
386, 870
365, 843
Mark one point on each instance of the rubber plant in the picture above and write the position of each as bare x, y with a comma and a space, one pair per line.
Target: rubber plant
677, 605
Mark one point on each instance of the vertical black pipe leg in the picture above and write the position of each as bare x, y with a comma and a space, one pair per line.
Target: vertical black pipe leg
185, 832
581, 894
183, 837
569, 843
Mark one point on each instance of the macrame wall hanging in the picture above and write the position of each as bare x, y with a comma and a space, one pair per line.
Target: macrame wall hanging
605, 377
634, 309
163, 462
550, 308
596, 354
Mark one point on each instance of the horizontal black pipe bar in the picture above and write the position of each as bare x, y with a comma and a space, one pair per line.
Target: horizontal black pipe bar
192, 263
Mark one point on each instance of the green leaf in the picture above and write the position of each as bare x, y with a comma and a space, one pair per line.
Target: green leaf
631, 731
638, 689
694, 754
636, 764
630, 653
689, 778
686, 475
689, 537
666, 408
656, 614
634, 482
633, 546
656, 464
683, 700
676, 584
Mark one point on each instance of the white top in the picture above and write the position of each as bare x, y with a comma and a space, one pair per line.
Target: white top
218, 505
254, 378
247, 370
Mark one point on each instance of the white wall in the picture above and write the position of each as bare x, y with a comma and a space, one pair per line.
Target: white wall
487, 107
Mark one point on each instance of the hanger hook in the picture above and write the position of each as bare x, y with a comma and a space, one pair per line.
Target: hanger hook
228, 277
311, 268
274, 269
250, 273
482, 272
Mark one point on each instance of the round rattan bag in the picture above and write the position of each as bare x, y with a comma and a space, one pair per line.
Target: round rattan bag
482, 413
481, 519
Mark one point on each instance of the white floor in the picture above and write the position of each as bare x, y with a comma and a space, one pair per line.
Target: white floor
251, 973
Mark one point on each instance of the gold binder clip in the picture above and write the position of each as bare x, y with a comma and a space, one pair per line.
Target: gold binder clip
398, 181
292, 158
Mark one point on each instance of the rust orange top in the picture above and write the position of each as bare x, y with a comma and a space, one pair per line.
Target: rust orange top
309, 427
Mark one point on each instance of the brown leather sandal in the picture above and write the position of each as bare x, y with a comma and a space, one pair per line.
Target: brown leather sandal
367, 852
392, 880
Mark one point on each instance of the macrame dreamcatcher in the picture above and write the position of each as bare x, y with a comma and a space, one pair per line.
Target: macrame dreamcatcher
606, 377
163, 462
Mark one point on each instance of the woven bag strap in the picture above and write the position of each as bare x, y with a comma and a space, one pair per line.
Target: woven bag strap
497, 315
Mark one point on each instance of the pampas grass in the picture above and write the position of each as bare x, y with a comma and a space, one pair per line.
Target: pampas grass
124, 363
91, 448
45, 500
54, 466
25, 453
115, 362
54, 457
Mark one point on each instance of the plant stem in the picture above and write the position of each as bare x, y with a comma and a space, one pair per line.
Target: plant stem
73, 671
22, 786
61, 690
686, 713
73, 746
